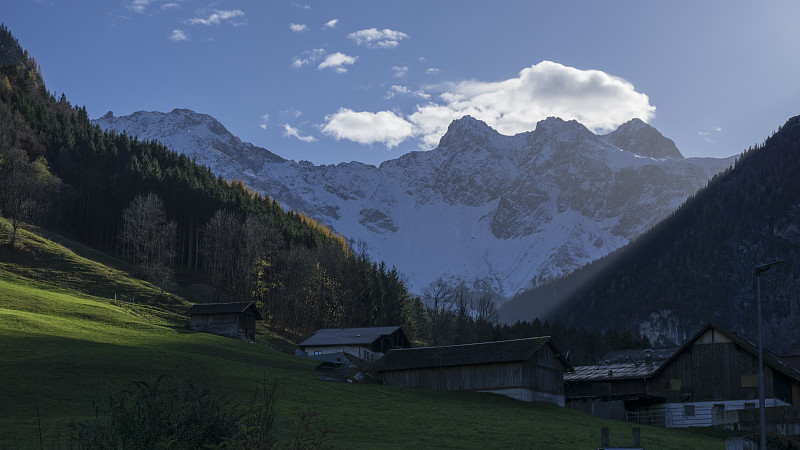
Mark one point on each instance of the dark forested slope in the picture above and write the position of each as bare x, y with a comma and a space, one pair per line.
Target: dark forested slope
699, 264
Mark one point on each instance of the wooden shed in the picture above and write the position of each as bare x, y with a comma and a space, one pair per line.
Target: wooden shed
703, 383
529, 369
226, 319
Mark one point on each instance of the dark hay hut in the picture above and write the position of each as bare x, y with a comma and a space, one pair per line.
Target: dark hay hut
226, 319
529, 369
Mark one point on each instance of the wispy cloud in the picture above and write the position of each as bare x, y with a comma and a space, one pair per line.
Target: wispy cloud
367, 127
218, 17
708, 135
337, 61
262, 123
170, 5
403, 90
298, 27
400, 71
301, 6
290, 131
308, 57
330, 24
139, 6
375, 38
433, 71
598, 100
178, 36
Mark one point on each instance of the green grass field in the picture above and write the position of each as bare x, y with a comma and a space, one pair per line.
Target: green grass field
63, 339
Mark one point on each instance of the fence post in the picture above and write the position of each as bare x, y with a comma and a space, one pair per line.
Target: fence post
637, 437
605, 440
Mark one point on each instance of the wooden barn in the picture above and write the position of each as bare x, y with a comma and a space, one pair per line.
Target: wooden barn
226, 319
368, 344
525, 369
702, 383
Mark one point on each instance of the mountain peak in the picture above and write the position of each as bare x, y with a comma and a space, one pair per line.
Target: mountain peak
638, 137
469, 124
466, 127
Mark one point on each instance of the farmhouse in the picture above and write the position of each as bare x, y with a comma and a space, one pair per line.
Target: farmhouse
368, 344
705, 382
225, 319
529, 369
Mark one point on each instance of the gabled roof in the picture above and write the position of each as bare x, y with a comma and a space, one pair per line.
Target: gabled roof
621, 364
615, 371
631, 369
466, 354
769, 359
224, 308
331, 337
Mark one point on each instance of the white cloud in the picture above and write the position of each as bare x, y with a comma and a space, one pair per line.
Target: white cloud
375, 38
298, 27
308, 57
178, 35
596, 99
263, 122
708, 134
139, 6
218, 17
337, 61
367, 127
403, 90
331, 23
432, 71
167, 6
298, 5
291, 112
290, 131
400, 71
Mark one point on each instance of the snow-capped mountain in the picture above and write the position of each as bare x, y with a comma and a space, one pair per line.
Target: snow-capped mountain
496, 212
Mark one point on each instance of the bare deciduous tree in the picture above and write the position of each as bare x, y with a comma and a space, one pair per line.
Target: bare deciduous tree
438, 300
148, 237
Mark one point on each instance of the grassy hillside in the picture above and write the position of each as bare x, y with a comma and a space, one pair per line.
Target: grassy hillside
63, 339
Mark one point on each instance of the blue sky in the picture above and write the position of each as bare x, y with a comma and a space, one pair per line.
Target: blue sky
333, 81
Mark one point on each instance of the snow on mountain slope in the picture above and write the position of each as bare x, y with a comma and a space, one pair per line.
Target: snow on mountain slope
496, 212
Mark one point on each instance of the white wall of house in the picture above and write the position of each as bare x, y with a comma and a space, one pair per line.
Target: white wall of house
706, 414
360, 352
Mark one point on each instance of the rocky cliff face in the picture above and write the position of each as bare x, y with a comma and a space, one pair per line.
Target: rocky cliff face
495, 212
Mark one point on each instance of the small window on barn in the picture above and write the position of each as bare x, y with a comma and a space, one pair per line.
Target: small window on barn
750, 380
688, 410
317, 352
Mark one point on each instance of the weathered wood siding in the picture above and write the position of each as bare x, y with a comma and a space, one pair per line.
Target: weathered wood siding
222, 324
542, 373
608, 388
711, 371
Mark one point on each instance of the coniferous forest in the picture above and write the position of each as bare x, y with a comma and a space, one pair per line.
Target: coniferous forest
698, 265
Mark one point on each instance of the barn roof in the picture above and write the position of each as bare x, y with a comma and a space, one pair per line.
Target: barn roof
466, 354
792, 361
612, 371
614, 366
331, 337
769, 359
623, 364
224, 308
